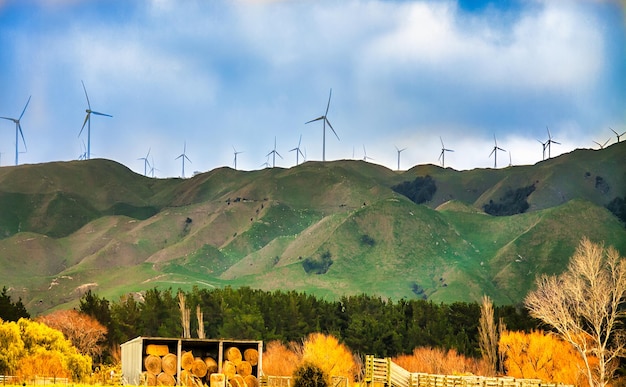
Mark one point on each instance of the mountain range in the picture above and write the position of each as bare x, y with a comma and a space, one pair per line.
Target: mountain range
326, 228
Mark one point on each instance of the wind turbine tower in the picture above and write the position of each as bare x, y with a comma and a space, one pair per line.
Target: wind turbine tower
399, 151
235, 153
442, 155
325, 121
88, 121
550, 141
146, 163
298, 151
274, 153
18, 131
183, 156
618, 135
494, 152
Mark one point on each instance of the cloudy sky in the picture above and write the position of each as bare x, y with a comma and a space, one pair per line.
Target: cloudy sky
222, 74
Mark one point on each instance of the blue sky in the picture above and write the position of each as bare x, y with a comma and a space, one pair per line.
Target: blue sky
218, 74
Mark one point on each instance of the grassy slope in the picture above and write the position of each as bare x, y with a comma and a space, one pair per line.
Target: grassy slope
256, 228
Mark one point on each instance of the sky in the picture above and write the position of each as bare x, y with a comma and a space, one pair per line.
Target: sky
210, 76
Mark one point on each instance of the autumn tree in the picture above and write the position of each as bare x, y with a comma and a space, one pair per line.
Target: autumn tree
488, 335
280, 359
326, 352
537, 355
441, 361
584, 305
85, 332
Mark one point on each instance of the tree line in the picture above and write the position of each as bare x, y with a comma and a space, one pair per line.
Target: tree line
366, 324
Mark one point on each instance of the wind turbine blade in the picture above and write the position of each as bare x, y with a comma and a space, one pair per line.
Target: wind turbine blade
549, 134
328, 105
86, 96
441, 139
27, 102
187, 158
317, 119
331, 128
102, 114
299, 141
278, 154
494, 149
556, 142
19, 126
7, 118
84, 123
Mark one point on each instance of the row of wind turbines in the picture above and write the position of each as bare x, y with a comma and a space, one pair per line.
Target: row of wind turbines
149, 163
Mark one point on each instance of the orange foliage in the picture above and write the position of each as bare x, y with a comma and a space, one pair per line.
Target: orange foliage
541, 356
441, 361
279, 360
84, 331
332, 357
42, 363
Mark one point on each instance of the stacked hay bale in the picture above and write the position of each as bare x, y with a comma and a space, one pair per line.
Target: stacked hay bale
238, 367
160, 366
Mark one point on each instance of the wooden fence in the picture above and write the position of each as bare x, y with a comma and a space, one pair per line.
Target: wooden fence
384, 372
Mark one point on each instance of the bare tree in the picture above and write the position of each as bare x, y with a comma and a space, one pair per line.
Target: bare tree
584, 304
200, 317
185, 314
488, 335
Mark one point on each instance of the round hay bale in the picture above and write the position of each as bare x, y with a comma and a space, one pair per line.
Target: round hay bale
148, 379
244, 368
199, 368
152, 364
233, 354
157, 349
186, 361
251, 355
237, 381
186, 378
211, 365
165, 379
217, 380
229, 368
169, 364
251, 381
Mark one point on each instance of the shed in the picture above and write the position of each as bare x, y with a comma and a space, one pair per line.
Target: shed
231, 357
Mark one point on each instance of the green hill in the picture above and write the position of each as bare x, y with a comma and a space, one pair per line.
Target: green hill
329, 229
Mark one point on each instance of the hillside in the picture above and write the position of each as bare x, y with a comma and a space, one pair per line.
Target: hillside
328, 228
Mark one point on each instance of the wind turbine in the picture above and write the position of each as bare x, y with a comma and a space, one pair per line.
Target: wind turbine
88, 121
325, 121
298, 151
83, 156
442, 155
603, 145
494, 152
183, 156
550, 141
266, 164
544, 145
274, 153
235, 153
18, 130
365, 156
153, 168
399, 151
146, 163
617, 134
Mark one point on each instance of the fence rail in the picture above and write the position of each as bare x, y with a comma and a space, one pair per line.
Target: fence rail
384, 371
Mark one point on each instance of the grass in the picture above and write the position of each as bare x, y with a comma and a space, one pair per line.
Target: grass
66, 225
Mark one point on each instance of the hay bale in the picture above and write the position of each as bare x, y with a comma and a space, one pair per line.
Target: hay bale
152, 364
148, 379
244, 368
229, 368
186, 360
186, 378
233, 354
199, 368
165, 379
251, 355
251, 381
217, 380
237, 381
211, 365
157, 349
169, 364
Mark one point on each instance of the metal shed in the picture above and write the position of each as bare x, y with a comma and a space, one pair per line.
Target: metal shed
134, 353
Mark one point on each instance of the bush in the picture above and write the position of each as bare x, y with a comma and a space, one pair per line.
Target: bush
618, 207
513, 202
419, 190
310, 375
316, 266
